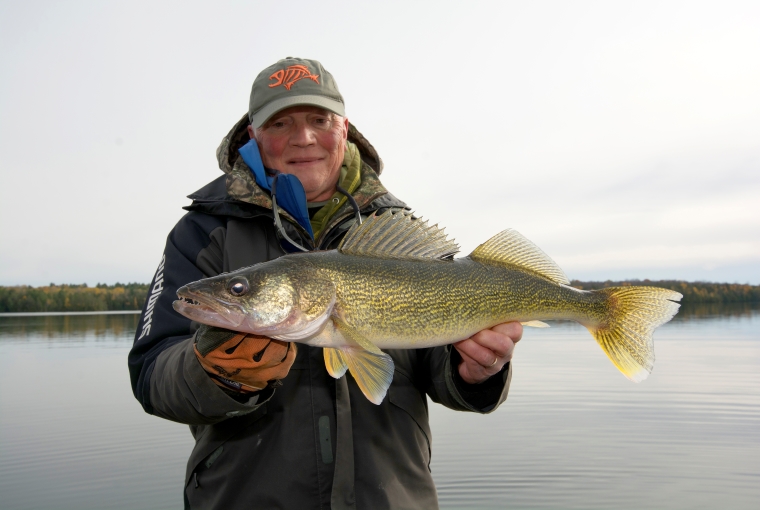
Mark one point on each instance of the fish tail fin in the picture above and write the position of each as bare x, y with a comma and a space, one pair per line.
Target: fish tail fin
625, 334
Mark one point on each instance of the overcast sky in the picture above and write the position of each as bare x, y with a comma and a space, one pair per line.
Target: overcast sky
623, 138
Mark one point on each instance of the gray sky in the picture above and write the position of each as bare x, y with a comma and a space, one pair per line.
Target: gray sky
623, 138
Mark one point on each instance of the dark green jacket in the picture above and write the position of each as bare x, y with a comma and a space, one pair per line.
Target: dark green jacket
314, 442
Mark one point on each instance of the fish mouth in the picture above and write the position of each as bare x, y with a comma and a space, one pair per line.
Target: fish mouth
208, 310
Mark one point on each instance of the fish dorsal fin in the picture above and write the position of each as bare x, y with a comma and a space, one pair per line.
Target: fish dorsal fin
510, 248
397, 236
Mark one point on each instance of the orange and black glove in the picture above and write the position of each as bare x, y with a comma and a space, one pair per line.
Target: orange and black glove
243, 362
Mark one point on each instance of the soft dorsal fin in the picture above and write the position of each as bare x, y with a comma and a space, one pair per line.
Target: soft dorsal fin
510, 248
397, 236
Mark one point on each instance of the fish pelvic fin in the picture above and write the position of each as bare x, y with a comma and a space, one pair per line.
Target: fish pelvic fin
371, 368
335, 362
510, 248
625, 335
398, 235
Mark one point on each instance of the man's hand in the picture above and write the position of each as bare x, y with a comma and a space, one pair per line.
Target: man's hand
241, 361
485, 353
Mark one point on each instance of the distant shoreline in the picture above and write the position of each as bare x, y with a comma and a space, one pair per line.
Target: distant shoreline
48, 314
125, 297
693, 292
129, 298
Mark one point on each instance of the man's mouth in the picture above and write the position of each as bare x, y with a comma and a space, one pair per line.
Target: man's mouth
303, 161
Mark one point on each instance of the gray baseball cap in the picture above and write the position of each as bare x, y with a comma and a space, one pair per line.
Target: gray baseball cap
291, 82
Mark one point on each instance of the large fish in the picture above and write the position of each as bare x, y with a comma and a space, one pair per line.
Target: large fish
392, 283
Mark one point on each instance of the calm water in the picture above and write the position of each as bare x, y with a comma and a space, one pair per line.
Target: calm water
573, 434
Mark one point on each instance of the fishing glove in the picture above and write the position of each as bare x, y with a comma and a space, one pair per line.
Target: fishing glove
240, 361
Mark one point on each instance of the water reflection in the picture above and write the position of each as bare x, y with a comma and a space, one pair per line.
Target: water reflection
72, 328
574, 433
691, 311
72, 436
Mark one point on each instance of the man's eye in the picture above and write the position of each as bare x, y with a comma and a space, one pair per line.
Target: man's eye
278, 124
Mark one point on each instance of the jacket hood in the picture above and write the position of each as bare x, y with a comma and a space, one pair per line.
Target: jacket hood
242, 186
237, 194
227, 153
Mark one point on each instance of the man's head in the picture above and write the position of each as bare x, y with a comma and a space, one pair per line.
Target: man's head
298, 120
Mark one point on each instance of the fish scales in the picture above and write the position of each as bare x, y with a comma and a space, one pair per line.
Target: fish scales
397, 302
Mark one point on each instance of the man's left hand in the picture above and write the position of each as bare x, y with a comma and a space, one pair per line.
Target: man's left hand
485, 353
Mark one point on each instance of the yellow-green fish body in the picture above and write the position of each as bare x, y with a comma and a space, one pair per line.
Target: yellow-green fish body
401, 304
393, 284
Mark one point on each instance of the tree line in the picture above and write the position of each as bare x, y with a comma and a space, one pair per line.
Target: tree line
693, 292
131, 296
73, 298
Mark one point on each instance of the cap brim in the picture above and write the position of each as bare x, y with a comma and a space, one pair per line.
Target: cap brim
260, 117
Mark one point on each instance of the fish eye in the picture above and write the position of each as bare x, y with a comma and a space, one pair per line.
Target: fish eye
238, 287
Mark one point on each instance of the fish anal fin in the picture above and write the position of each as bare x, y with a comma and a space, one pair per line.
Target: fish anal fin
397, 235
371, 368
335, 362
510, 248
535, 324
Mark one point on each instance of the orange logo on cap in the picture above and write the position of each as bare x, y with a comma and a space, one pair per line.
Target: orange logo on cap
291, 75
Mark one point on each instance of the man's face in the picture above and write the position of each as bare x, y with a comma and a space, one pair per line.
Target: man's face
308, 142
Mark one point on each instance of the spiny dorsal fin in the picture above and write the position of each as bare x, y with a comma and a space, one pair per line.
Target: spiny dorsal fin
397, 236
510, 248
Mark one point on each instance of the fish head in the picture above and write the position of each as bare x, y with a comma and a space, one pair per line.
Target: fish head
274, 299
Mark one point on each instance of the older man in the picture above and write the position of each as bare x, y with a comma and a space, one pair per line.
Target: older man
272, 428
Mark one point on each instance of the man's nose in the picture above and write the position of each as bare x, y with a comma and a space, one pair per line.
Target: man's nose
303, 135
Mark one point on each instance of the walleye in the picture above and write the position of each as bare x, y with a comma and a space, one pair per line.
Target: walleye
392, 283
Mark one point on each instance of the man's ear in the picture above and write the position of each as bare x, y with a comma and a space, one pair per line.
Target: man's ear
252, 133
345, 128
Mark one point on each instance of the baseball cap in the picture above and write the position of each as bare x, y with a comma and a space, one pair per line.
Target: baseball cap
291, 82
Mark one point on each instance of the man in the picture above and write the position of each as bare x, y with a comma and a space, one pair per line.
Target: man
272, 428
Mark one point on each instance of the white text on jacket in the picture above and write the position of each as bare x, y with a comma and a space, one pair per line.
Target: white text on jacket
155, 291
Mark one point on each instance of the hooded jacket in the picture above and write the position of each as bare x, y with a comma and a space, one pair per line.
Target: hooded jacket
315, 442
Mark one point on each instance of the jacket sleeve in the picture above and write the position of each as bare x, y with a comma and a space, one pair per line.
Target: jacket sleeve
440, 379
166, 377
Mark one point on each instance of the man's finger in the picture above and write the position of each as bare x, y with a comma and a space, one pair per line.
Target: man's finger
514, 330
498, 343
477, 352
472, 371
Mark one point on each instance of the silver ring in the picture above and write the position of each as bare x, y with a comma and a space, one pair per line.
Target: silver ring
494, 362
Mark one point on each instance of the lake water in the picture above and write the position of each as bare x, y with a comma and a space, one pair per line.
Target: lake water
573, 434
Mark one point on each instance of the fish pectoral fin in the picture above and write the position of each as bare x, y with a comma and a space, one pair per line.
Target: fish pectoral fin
535, 324
350, 333
371, 368
335, 362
